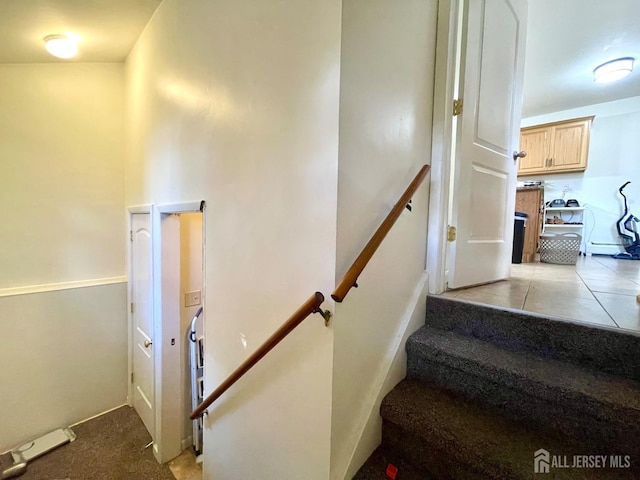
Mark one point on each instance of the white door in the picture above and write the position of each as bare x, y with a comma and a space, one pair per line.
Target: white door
483, 197
142, 299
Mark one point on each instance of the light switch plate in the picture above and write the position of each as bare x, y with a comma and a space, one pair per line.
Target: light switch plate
192, 299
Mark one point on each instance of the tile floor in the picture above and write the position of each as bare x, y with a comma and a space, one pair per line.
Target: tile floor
598, 290
185, 467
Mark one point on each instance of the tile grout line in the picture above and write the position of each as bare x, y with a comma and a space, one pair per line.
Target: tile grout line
597, 300
612, 270
526, 295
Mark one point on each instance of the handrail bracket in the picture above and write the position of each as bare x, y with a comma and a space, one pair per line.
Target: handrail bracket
326, 314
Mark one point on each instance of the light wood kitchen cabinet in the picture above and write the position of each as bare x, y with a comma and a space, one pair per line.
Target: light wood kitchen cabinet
555, 147
529, 201
534, 142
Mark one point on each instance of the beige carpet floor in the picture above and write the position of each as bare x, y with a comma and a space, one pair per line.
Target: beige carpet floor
110, 447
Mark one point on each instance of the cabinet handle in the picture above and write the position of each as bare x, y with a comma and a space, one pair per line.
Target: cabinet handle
546, 162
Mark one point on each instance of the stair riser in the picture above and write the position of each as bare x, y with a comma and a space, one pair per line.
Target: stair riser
606, 432
441, 458
599, 348
426, 459
425, 357
376, 467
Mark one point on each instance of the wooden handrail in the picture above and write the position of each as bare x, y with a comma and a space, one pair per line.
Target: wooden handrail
350, 278
312, 305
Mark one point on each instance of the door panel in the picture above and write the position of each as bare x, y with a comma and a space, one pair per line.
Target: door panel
142, 298
494, 112
485, 172
492, 184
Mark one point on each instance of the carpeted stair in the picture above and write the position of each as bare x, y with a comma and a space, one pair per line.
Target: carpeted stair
486, 388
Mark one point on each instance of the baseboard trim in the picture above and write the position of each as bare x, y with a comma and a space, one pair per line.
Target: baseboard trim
604, 248
98, 415
54, 287
186, 443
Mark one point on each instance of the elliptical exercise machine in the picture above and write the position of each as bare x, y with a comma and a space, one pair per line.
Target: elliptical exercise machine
628, 231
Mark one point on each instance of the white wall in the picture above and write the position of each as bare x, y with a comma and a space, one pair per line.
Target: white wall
64, 359
62, 173
236, 103
387, 69
612, 161
63, 350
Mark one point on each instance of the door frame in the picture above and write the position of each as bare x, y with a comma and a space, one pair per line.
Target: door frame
166, 287
167, 437
442, 138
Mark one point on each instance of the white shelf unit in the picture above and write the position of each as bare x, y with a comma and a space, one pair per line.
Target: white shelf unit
568, 214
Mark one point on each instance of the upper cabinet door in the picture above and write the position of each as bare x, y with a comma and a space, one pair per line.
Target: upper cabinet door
534, 142
570, 146
555, 147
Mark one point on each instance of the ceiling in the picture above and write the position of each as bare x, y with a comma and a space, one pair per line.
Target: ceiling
106, 29
566, 40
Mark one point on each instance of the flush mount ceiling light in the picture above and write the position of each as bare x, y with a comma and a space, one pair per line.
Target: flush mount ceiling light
613, 70
61, 46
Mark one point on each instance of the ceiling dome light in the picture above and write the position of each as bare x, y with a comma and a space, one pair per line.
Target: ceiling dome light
613, 70
61, 46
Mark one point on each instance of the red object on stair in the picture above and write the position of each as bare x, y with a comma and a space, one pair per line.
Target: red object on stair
392, 471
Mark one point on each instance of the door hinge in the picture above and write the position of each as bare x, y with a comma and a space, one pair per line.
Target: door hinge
457, 107
131, 307
451, 233
131, 377
131, 235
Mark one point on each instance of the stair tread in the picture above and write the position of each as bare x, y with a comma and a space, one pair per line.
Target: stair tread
469, 435
606, 349
550, 377
376, 466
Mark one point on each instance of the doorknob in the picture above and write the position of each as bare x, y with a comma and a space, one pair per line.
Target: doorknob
147, 343
517, 155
